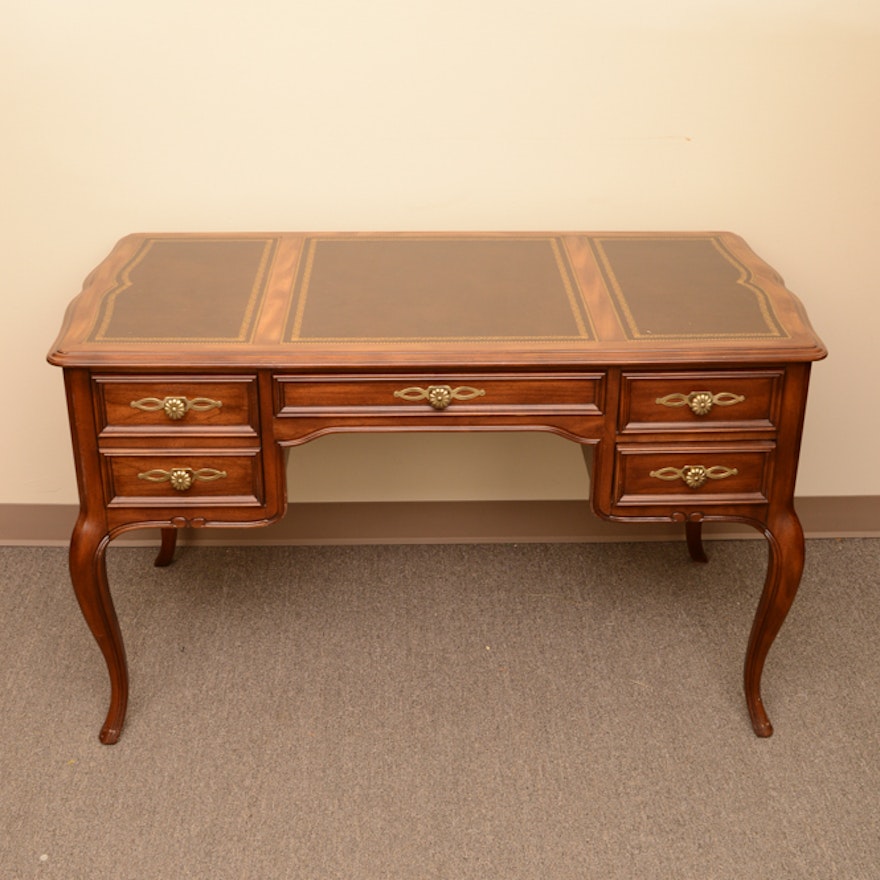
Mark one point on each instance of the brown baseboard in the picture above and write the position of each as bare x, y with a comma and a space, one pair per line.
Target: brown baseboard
452, 522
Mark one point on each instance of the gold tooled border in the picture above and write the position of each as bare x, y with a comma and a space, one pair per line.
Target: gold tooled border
249, 321
576, 304
775, 328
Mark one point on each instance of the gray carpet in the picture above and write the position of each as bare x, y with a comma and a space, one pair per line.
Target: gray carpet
498, 711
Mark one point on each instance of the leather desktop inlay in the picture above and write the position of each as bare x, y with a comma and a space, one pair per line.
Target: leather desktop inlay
686, 287
187, 290
434, 288
382, 289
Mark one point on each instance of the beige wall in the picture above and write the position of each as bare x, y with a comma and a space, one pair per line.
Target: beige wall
758, 116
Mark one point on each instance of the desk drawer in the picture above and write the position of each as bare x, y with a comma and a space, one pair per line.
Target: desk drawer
177, 404
689, 400
569, 392
698, 474
184, 478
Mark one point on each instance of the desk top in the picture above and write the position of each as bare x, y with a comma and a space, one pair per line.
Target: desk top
295, 300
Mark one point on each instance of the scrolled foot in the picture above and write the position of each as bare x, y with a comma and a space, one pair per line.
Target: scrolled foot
760, 722
109, 736
763, 730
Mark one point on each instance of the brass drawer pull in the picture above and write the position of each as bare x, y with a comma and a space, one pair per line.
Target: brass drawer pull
695, 475
700, 402
176, 407
182, 478
440, 396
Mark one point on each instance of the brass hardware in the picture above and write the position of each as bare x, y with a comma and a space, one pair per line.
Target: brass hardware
440, 396
182, 478
176, 407
695, 475
700, 402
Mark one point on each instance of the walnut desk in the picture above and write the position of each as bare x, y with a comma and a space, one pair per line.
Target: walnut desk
191, 362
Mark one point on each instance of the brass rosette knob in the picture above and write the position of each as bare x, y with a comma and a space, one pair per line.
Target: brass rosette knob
181, 479
175, 407
439, 396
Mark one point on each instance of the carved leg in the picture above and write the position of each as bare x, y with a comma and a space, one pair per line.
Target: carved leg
88, 571
166, 551
786, 564
693, 532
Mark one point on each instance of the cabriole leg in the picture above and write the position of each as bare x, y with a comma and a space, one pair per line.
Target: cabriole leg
88, 572
166, 551
785, 567
693, 531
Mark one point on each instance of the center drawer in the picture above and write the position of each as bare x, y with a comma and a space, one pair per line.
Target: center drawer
455, 393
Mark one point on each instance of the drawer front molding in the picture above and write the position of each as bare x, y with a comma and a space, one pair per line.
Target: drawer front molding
688, 401
698, 474
183, 477
222, 405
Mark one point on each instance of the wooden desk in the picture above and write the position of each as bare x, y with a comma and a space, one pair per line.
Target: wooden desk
192, 361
